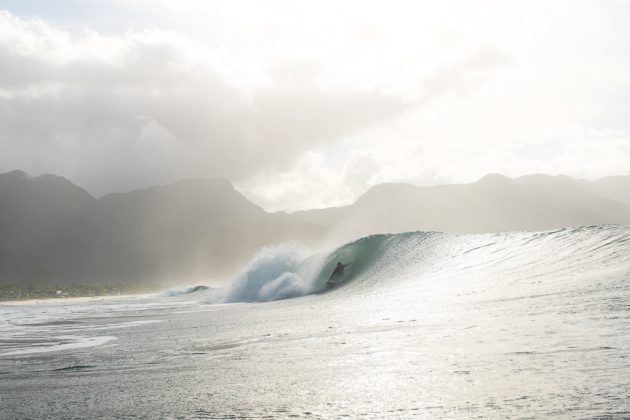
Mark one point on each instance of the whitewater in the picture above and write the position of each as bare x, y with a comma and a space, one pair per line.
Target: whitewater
423, 324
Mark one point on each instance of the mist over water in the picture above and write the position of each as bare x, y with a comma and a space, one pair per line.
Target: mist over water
423, 324
274, 273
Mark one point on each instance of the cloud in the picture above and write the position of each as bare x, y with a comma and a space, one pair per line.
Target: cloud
95, 108
309, 104
467, 75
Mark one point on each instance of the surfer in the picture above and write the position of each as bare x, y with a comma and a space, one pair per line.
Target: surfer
338, 272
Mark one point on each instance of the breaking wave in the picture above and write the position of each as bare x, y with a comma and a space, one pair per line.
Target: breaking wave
431, 259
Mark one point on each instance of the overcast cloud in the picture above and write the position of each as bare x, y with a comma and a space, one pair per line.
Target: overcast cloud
308, 104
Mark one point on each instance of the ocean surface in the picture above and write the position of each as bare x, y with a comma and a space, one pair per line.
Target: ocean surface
427, 325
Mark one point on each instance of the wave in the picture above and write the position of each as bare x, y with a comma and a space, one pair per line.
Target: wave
185, 291
429, 260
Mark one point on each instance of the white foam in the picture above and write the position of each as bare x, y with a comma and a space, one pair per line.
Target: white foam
66, 342
272, 274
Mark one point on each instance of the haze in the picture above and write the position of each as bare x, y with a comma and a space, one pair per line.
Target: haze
314, 209
307, 105
203, 231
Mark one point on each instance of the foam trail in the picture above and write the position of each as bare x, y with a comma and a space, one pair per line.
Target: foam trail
62, 343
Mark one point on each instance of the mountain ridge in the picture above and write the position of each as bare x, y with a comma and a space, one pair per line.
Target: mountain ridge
53, 231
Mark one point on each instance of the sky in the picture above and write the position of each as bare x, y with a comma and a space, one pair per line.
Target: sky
308, 104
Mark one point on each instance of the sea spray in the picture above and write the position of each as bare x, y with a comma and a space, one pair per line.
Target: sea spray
272, 274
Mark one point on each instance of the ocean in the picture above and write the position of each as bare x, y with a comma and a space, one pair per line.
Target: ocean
421, 325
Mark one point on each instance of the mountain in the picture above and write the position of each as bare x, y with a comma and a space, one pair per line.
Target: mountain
43, 223
613, 187
495, 203
54, 232
190, 229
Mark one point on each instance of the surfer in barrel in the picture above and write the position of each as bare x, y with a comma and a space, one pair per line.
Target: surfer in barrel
337, 273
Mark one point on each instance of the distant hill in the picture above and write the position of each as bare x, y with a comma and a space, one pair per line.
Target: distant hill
495, 203
43, 225
613, 187
54, 232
